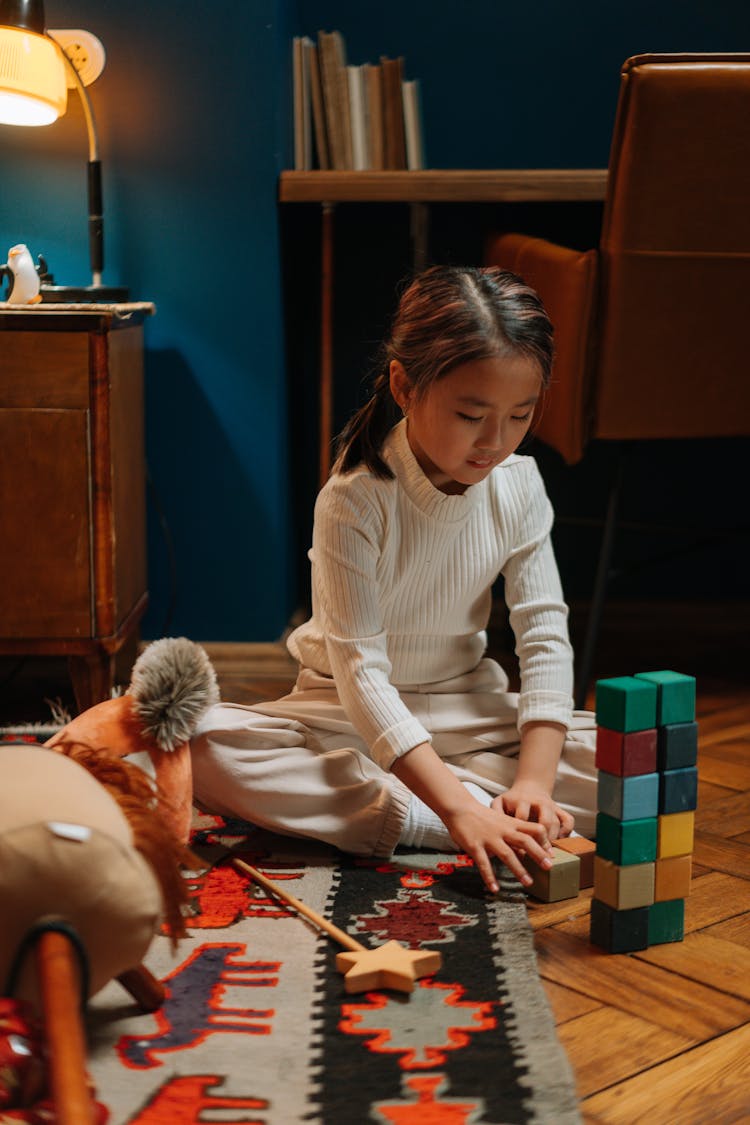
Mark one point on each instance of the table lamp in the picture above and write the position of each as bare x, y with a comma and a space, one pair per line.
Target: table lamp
36, 68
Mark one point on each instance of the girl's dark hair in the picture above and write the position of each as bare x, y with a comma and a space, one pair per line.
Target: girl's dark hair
446, 317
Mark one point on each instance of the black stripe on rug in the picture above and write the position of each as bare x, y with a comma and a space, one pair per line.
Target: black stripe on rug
466, 1045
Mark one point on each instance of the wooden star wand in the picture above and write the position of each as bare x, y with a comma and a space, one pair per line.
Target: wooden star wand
389, 966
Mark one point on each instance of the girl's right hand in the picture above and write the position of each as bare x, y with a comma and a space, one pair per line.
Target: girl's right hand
483, 832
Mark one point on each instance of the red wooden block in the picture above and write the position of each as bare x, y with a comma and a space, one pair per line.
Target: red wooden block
626, 754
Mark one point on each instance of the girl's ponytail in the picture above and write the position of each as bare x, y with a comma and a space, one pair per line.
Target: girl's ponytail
361, 440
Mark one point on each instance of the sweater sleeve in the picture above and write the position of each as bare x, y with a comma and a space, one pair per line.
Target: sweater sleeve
347, 542
538, 613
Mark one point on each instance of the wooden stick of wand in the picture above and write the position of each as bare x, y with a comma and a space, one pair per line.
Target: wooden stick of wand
389, 966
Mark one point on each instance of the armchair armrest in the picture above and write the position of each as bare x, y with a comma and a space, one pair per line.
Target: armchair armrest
566, 281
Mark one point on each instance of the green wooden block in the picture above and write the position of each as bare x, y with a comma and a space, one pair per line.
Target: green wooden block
626, 703
626, 841
666, 921
676, 696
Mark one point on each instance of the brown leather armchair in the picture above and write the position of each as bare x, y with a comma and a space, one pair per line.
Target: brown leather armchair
652, 327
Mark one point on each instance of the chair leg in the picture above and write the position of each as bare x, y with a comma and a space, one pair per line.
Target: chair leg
59, 977
143, 986
601, 582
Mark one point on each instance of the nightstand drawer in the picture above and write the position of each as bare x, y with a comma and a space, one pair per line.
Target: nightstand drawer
44, 369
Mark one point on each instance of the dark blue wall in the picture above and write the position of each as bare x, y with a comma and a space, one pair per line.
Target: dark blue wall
523, 85
194, 111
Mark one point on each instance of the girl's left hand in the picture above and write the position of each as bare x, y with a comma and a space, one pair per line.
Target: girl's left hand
528, 801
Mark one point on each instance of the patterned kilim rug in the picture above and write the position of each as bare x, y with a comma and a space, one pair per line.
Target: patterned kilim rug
257, 1027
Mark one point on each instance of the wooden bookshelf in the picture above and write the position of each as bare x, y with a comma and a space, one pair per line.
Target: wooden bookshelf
445, 186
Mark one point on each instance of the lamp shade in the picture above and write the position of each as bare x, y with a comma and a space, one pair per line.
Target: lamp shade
33, 86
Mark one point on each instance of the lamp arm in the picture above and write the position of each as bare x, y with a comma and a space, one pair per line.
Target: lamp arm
94, 176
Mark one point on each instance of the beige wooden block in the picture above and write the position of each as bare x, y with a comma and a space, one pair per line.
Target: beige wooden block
623, 888
585, 850
672, 877
561, 880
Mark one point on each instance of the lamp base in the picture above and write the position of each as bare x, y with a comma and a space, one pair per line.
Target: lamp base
84, 294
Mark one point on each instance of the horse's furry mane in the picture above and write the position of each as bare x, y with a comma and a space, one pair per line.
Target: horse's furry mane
143, 806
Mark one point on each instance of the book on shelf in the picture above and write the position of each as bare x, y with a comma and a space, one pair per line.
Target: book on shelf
320, 129
374, 104
311, 146
302, 104
413, 125
353, 116
393, 113
332, 57
358, 118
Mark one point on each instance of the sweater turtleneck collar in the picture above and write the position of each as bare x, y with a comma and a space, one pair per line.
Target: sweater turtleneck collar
419, 489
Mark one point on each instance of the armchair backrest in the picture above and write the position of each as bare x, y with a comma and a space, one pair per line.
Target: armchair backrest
674, 293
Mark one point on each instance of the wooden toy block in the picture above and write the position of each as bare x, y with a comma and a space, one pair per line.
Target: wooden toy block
625, 842
678, 790
619, 931
672, 878
625, 703
585, 850
677, 746
675, 833
623, 888
628, 798
626, 753
561, 880
676, 696
666, 922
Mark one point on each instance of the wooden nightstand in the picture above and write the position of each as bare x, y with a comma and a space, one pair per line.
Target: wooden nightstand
72, 486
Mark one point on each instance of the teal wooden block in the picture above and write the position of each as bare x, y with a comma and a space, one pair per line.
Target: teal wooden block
626, 703
666, 921
628, 798
676, 696
626, 842
678, 790
676, 745
618, 931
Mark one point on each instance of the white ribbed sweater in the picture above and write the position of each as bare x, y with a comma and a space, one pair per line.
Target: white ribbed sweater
402, 579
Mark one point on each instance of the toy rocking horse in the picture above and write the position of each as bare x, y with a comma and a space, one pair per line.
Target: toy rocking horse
91, 848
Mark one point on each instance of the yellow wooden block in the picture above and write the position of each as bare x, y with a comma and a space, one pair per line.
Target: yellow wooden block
623, 888
675, 834
561, 880
672, 878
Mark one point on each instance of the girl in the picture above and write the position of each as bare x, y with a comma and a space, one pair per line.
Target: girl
399, 730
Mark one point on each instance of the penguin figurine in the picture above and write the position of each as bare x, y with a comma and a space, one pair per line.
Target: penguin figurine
24, 280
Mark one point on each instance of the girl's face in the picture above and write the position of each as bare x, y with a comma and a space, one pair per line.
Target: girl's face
470, 420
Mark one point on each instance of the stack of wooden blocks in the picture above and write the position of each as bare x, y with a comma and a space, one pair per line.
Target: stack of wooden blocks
646, 755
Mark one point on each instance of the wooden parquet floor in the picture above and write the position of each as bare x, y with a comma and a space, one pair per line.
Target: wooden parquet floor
661, 1036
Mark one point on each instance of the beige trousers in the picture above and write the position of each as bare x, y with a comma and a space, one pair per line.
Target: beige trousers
298, 767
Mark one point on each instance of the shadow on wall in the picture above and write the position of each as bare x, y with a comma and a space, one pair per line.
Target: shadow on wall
199, 485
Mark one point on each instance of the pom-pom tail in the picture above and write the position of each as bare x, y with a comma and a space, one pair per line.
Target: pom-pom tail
173, 684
